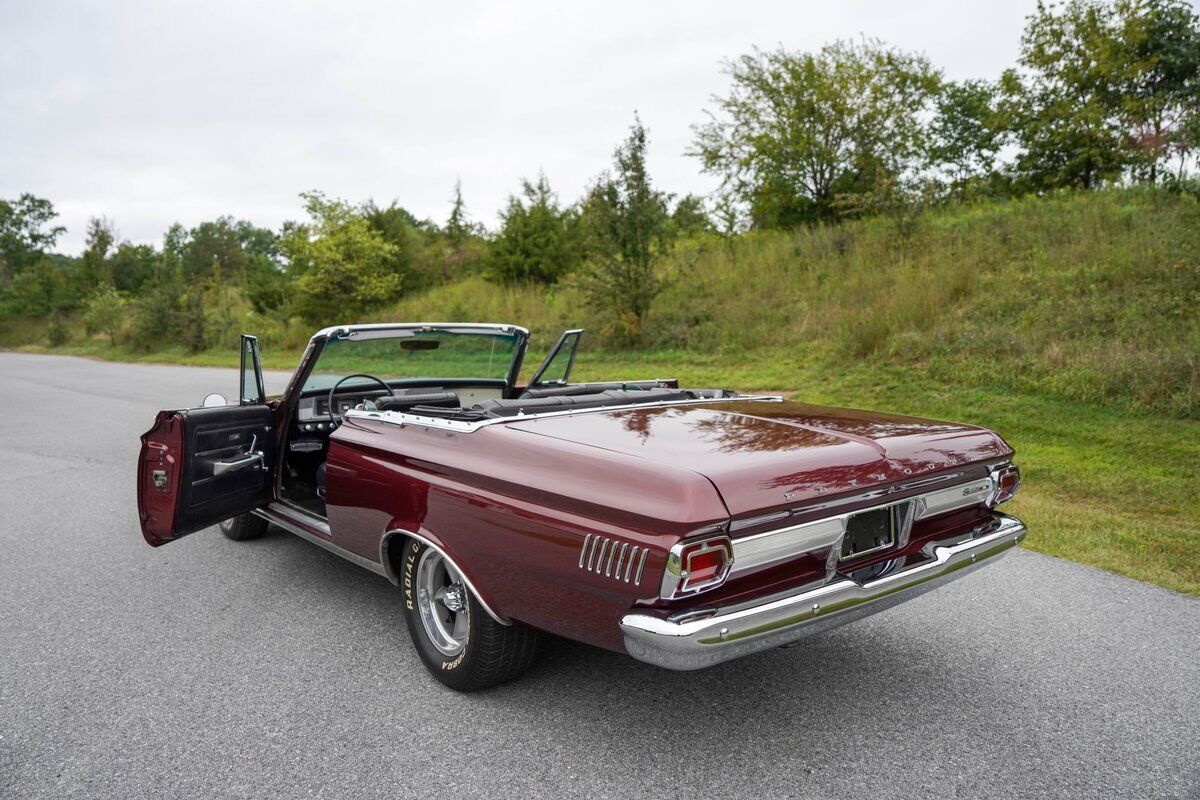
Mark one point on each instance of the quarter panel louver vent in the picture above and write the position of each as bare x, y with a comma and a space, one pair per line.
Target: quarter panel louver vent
612, 558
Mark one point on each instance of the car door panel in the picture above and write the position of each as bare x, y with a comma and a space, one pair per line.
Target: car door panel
200, 466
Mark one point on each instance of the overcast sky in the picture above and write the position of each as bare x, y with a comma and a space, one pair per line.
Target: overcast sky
157, 112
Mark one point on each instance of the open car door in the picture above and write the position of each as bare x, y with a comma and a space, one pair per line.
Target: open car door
556, 369
199, 466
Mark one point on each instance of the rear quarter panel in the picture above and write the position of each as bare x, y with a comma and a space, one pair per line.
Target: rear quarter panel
513, 510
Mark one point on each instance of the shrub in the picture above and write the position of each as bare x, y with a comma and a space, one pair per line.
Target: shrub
538, 239
104, 312
57, 333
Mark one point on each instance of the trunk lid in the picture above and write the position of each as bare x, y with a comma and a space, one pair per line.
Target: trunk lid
761, 455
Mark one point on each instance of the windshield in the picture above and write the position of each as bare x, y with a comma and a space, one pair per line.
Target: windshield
397, 354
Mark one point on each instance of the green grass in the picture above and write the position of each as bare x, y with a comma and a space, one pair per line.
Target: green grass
1069, 324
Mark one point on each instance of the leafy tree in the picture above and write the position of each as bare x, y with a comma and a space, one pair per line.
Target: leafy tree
104, 312
404, 232
458, 227
43, 288
341, 264
627, 226
967, 132
690, 216
538, 239
132, 266
798, 129
93, 263
1062, 100
25, 234
235, 248
1156, 60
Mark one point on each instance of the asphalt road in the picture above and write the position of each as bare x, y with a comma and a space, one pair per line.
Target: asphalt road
211, 669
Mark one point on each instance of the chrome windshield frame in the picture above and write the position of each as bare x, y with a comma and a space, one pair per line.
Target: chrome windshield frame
321, 337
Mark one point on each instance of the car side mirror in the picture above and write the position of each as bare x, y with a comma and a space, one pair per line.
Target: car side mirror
214, 400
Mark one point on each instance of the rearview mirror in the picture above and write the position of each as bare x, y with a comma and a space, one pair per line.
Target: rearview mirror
214, 400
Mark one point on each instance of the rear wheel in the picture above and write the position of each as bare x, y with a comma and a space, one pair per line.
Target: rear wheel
243, 527
456, 638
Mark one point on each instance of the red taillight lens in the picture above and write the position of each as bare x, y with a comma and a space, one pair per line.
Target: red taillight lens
1007, 479
703, 567
704, 564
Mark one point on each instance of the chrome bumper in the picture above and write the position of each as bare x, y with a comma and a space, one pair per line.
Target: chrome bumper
696, 643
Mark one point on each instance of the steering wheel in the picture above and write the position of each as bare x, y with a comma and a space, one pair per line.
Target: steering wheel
333, 418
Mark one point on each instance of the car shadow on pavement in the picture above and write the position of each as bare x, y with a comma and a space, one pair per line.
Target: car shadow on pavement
891, 672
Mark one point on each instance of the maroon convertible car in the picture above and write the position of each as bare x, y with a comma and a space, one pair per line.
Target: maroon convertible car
682, 526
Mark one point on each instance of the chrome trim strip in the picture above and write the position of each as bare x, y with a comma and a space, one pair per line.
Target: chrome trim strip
291, 524
592, 554
383, 545
692, 643
449, 326
955, 497
629, 564
771, 547
637, 581
403, 418
583, 550
763, 549
620, 558
858, 497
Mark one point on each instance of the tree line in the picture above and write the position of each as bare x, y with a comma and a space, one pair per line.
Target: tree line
1104, 92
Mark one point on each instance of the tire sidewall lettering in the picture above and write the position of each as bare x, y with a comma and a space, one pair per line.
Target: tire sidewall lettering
412, 555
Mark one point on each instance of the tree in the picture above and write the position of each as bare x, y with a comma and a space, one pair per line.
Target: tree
93, 267
104, 312
1156, 60
409, 238
627, 228
690, 216
25, 234
458, 227
967, 132
132, 266
1062, 100
538, 240
341, 264
798, 129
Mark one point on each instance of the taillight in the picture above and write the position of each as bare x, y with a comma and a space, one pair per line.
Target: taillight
698, 565
1006, 479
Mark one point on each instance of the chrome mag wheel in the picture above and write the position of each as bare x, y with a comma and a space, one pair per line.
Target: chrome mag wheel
442, 603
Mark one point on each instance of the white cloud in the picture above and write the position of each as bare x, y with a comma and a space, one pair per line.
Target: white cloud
151, 113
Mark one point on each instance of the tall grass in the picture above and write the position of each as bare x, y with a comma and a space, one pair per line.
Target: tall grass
1088, 297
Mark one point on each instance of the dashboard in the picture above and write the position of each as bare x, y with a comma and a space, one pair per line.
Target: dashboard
312, 413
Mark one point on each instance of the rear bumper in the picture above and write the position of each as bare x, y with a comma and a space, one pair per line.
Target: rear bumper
728, 634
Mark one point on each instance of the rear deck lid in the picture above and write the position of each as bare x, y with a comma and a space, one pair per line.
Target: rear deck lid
761, 455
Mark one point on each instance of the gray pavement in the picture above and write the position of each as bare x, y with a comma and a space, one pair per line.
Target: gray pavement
212, 669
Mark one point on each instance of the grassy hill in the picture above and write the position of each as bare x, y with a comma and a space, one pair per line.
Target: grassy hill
1069, 323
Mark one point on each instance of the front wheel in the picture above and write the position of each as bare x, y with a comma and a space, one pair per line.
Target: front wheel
456, 638
243, 527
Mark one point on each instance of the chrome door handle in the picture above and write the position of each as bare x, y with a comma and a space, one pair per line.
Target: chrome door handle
234, 464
